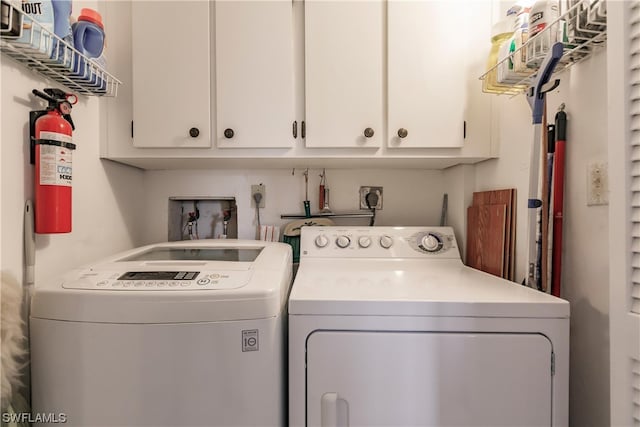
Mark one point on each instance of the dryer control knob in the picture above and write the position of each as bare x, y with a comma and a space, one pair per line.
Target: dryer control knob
343, 241
431, 243
321, 241
386, 241
364, 241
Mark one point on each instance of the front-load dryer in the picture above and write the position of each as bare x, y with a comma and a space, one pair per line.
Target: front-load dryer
387, 327
176, 334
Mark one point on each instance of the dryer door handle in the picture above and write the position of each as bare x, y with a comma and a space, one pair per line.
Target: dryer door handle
329, 410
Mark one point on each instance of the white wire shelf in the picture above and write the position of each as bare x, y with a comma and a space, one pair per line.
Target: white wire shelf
582, 29
49, 55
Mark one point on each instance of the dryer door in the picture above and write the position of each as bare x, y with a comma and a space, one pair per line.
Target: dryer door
362, 378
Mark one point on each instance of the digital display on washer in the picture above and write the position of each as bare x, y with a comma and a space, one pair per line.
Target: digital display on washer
159, 275
196, 254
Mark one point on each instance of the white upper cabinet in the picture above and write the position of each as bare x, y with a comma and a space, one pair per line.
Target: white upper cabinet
432, 70
254, 74
344, 64
171, 74
225, 81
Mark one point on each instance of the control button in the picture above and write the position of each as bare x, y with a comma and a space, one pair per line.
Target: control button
183, 284
204, 281
150, 284
431, 243
386, 241
102, 283
214, 276
162, 284
343, 241
127, 284
321, 241
116, 283
138, 284
364, 241
173, 284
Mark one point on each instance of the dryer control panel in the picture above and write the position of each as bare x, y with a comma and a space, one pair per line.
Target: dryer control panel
378, 242
158, 280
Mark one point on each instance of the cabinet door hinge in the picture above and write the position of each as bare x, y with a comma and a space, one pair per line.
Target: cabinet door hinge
553, 364
295, 129
131, 128
303, 131
464, 130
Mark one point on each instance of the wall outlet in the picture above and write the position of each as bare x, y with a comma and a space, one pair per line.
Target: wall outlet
258, 189
363, 197
597, 184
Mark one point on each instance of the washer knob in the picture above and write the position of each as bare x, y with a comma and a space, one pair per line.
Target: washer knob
386, 241
321, 241
343, 241
431, 243
364, 241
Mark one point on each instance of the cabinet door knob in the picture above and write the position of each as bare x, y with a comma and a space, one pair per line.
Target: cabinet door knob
368, 132
228, 133
402, 133
194, 132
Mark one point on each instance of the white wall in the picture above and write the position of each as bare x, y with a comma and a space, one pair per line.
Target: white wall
410, 197
585, 250
459, 184
106, 195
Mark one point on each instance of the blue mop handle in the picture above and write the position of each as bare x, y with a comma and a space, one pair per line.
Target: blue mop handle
536, 99
535, 95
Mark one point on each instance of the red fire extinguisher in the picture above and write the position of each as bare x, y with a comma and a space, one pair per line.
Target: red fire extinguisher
52, 152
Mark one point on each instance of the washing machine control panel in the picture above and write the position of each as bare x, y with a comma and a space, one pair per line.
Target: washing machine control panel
173, 280
383, 242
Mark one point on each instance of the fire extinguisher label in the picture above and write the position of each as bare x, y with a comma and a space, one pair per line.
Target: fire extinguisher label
55, 162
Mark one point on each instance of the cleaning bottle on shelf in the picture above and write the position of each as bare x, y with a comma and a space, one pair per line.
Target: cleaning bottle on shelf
512, 57
62, 28
37, 26
520, 37
500, 34
88, 33
543, 30
89, 40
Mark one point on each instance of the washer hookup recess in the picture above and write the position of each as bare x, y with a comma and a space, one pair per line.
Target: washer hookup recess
363, 197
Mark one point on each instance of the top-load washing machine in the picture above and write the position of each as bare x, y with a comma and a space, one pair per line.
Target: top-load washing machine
387, 327
177, 334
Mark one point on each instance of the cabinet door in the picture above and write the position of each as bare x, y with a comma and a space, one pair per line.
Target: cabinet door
431, 75
390, 379
254, 73
343, 73
171, 78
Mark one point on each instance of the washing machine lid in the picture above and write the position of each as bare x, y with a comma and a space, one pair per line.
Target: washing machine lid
401, 287
191, 281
